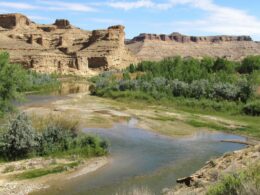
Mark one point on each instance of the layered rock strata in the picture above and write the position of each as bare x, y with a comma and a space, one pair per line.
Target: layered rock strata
61, 47
157, 47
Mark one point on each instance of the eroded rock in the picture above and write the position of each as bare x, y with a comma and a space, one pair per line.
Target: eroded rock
61, 47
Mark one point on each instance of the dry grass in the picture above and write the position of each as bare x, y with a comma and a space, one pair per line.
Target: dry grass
59, 120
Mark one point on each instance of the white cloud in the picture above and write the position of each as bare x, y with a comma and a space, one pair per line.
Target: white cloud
22, 6
127, 5
219, 19
63, 6
48, 5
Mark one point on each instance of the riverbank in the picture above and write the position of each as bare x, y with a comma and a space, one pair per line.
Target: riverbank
20, 177
215, 171
99, 112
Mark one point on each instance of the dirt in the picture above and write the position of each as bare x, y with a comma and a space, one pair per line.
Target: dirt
11, 186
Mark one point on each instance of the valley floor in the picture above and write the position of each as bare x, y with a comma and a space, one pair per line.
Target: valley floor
95, 112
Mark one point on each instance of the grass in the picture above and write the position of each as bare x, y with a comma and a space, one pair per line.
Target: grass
210, 125
239, 183
243, 124
45, 171
162, 118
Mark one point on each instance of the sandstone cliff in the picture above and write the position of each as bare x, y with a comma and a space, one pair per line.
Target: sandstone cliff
157, 47
61, 47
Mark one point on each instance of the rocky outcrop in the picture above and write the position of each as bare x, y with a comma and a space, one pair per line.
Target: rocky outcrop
177, 37
229, 163
159, 46
10, 21
61, 47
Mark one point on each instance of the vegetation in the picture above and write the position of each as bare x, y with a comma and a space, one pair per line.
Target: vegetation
216, 84
14, 80
22, 140
30, 174
252, 108
244, 182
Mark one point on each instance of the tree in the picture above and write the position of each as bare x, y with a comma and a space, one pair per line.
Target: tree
12, 81
131, 68
223, 64
250, 64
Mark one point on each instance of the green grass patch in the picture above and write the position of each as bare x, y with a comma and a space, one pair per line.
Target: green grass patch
162, 118
210, 125
45, 171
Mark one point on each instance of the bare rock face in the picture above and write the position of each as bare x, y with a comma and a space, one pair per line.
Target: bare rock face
177, 37
159, 46
62, 24
11, 21
60, 47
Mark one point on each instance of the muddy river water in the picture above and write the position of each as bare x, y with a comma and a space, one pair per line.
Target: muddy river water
142, 159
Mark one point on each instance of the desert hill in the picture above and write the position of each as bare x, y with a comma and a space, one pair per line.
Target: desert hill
157, 47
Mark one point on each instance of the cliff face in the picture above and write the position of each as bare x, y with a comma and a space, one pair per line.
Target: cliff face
177, 37
157, 47
61, 47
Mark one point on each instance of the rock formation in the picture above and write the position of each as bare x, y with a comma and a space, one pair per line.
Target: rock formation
157, 47
61, 47
177, 37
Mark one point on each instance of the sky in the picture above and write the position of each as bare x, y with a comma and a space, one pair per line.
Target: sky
190, 17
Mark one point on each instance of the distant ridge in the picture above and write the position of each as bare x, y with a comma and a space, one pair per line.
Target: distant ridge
159, 46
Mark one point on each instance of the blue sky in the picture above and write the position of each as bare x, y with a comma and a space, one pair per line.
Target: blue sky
191, 17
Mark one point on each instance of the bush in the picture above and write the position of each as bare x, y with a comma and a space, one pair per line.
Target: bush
56, 138
250, 64
240, 183
213, 79
19, 140
40, 81
252, 108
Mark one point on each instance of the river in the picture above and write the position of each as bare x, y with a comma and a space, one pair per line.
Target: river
142, 159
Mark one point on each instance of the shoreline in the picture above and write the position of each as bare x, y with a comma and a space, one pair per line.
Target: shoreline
214, 170
27, 186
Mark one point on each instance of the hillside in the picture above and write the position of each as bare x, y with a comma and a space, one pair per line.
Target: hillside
157, 47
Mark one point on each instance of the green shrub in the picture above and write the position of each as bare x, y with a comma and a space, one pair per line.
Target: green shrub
229, 186
19, 140
252, 108
40, 81
213, 79
239, 183
250, 64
